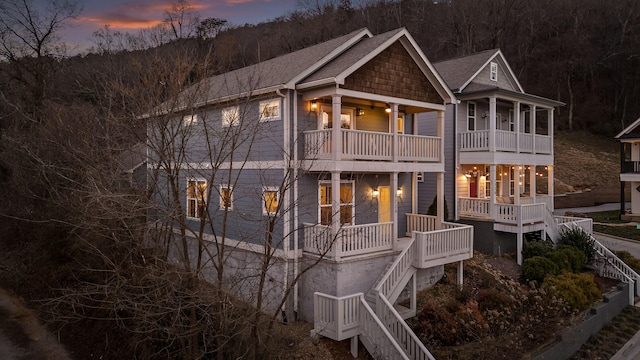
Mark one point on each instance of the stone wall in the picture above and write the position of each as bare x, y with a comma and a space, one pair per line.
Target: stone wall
571, 339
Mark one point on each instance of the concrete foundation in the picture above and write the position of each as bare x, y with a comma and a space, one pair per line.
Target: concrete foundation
488, 241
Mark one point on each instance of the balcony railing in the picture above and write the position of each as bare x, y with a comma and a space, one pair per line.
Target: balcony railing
527, 212
351, 240
506, 141
371, 145
631, 167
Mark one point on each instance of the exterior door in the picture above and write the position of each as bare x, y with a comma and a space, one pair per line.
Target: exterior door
384, 204
473, 186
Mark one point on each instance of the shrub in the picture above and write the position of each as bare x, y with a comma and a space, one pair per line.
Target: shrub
436, 325
580, 239
490, 299
578, 290
628, 259
433, 208
568, 258
536, 248
537, 268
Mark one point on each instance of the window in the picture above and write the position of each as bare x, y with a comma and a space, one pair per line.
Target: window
189, 120
270, 201
401, 124
230, 116
270, 110
346, 203
471, 116
226, 197
326, 117
494, 72
512, 121
196, 198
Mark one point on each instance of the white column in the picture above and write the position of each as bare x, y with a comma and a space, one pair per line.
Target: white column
516, 184
460, 281
336, 131
533, 129
394, 130
394, 204
441, 133
519, 247
440, 203
532, 183
516, 120
550, 186
492, 124
492, 190
550, 129
335, 211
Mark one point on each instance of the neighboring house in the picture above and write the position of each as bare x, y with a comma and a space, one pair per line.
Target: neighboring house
345, 195
629, 139
499, 153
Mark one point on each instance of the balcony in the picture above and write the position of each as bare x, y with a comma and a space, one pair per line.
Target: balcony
631, 167
527, 212
372, 146
506, 141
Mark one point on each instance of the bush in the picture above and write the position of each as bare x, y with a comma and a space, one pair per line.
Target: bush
580, 239
490, 299
433, 208
580, 291
537, 268
629, 259
536, 248
568, 258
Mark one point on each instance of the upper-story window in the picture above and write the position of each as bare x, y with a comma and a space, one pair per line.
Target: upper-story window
196, 198
226, 197
189, 120
231, 116
270, 110
270, 201
400, 123
494, 71
512, 121
471, 116
346, 202
326, 118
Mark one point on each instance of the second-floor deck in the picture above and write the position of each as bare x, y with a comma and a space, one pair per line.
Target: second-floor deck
528, 211
372, 146
505, 141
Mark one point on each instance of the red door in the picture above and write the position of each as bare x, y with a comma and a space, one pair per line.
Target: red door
473, 186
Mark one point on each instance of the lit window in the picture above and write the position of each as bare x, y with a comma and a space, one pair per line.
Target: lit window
346, 203
471, 116
494, 71
270, 201
196, 198
189, 120
226, 197
270, 110
230, 116
401, 124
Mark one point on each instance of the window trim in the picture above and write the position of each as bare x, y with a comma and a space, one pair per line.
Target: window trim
220, 199
352, 203
473, 117
400, 123
264, 202
265, 103
224, 115
493, 75
189, 120
204, 199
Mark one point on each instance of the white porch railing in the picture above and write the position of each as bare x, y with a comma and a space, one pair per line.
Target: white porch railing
508, 141
453, 243
615, 268
376, 337
372, 145
419, 222
520, 214
388, 284
474, 207
351, 240
337, 318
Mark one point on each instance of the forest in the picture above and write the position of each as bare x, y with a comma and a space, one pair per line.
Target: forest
70, 226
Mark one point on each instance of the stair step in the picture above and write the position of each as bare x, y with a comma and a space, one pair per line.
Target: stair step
404, 311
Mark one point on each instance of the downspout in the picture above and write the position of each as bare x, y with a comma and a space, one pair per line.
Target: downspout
455, 159
286, 221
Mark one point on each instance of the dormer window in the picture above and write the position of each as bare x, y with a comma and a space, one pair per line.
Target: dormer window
494, 71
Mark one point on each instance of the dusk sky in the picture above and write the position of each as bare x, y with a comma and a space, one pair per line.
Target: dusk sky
131, 15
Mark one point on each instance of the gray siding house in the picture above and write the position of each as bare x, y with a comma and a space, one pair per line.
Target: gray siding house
499, 152
313, 161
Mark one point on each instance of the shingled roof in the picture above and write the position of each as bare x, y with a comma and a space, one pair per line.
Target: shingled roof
457, 72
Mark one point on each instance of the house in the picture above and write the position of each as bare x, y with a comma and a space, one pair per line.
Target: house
312, 160
499, 153
629, 139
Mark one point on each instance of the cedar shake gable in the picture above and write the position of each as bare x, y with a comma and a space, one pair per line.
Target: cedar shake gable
394, 73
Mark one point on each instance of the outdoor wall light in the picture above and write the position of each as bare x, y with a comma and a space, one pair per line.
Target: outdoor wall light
375, 192
314, 105
387, 109
359, 111
399, 192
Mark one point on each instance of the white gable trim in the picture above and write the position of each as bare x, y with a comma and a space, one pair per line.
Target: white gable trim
629, 128
332, 55
492, 58
415, 53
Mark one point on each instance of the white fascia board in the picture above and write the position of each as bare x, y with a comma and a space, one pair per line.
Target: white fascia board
317, 83
332, 55
629, 128
390, 99
513, 75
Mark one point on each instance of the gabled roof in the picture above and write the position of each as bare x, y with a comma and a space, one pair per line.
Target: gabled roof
460, 72
628, 132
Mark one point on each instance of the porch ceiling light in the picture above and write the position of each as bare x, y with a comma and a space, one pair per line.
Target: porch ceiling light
387, 109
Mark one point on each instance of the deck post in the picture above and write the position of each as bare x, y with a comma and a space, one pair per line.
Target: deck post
492, 191
533, 129
354, 346
460, 274
440, 201
550, 184
516, 120
335, 213
336, 131
532, 183
394, 205
519, 247
517, 183
492, 124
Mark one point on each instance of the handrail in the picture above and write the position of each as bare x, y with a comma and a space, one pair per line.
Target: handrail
617, 263
396, 272
411, 345
378, 340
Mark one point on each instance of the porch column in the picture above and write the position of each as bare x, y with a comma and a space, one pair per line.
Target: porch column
440, 203
533, 129
516, 184
532, 183
516, 119
394, 204
550, 127
394, 130
492, 124
335, 211
492, 190
460, 273
550, 186
441, 133
336, 131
